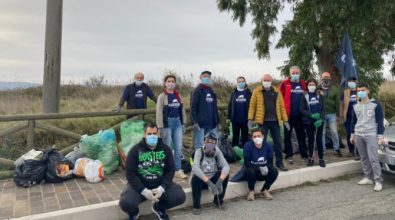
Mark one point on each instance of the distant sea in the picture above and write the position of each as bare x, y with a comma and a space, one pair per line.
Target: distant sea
16, 85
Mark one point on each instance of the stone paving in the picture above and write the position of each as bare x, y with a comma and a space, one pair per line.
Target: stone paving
16, 201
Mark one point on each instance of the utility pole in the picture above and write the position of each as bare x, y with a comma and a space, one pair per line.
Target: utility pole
52, 56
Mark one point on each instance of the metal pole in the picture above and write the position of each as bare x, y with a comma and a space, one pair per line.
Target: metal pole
52, 56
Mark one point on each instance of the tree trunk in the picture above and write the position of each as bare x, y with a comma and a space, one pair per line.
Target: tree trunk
325, 64
53, 43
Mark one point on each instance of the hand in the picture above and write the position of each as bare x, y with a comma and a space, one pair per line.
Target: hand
227, 121
117, 109
161, 132
250, 124
316, 116
318, 123
158, 192
219, 186
148, 194
286, 125
219, 127
196, 126
264, 170
381, 139
339, 120
352, 140
212, 188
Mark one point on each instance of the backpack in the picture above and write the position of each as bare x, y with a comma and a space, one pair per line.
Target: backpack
201, 159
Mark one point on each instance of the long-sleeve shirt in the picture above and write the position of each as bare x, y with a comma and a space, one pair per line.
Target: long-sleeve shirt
367, 119
258, 157
208, 166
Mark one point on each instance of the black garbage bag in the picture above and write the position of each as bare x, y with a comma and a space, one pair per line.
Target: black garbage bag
186, 166
226, 148
30, 172
59, 168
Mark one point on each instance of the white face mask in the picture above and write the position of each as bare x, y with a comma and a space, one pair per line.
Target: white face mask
258, 140
170, 85
312, 88
266, 85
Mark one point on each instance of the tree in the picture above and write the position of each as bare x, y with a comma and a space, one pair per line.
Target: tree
314, 34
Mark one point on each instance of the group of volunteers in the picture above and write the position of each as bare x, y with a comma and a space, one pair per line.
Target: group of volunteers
306, 106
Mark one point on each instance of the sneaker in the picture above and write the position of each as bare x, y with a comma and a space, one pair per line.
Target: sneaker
161, 214
338, 153
196, 211
322, 163
266, 195
378, 187
180, 174
135, 217
310, 162
222, 206
282, 168
305, 158
365, 181
251, 196
290, 160
357, 159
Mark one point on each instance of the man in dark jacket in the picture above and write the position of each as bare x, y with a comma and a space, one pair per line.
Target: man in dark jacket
149, 171
204, 110
136, 94
238, 112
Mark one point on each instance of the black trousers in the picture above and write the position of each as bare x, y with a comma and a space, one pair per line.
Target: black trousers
198, 185
297, 123
274, 129
311, 136
130, 199
236, 128
253, 174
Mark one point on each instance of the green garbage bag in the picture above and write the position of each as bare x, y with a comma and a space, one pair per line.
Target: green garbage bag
131, 133
239, 152
241, 162
109, 157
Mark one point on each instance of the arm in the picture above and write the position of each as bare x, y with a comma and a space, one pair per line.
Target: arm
248, 158
322, 107
229, 116
150, 94
281, 105
125, 96
222, 163
169, 170
341, 106
131, 170
337, 101
379, 119
304, 108
159, 111
252, 107
282, 88
194, 102
353, 121
197, 171
270, 158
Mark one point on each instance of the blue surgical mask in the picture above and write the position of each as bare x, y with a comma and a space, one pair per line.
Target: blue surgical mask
206, 80
138, 82
362, 94
241, 85
152, 140
295, 77
352, 85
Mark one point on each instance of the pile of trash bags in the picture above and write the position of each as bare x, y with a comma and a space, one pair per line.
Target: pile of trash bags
131, 133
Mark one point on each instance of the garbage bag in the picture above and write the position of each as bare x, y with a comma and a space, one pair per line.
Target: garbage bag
30, 172
59, 168
109, 157
131, 133
226, 148
75, 154
239, 152
186, 166
79, 166
94, 171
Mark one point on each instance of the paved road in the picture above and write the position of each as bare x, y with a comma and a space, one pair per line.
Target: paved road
338, 199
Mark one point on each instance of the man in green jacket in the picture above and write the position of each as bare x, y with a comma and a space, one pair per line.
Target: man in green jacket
332, 103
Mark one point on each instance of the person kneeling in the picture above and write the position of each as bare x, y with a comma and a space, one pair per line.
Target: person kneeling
258, 162
149, 170
210, 171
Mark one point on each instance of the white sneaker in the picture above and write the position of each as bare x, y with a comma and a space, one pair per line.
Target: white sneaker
180, 174
378, 187
365, 181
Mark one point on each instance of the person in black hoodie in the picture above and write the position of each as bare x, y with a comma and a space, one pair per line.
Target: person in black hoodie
204, 110
149, 171
312, 107
238, 112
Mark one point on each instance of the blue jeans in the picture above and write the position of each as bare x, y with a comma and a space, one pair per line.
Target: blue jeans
198, 136
173, 137
330, 119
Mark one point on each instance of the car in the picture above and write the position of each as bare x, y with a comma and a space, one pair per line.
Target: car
387, 151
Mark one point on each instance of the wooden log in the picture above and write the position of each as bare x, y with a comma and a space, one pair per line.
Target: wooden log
68, 149
6, 174
13, 129
7, 163
58, 131
30, 133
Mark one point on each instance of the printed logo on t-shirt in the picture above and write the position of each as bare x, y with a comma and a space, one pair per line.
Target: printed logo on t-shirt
260, 161
209, 99
370, 113
174, 104
241, 99
353, 98
297, 90
139, 94
314, 101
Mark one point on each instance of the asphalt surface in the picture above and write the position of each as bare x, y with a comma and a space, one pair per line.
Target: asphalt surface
340, 198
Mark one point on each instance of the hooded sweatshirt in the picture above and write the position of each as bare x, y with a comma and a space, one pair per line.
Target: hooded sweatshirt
367, 119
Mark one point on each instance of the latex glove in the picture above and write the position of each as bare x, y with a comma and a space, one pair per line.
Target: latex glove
196, 126
286, 125
212, 188
219, 186
318, 123
158, 192
117, 109
250, 124
148, 194
316, 116
264, 170
352, 140
381, 139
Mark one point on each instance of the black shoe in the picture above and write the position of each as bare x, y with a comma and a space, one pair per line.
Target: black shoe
161, 214
196, 211
282, 168
357, 159
135, 217
322, 163
305, 158
222, 206
310, 162
338, 153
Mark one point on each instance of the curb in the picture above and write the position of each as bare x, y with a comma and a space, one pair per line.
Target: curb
111, 210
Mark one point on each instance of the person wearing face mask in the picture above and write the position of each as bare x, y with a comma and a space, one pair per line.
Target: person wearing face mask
293, 90
149, 171
204, 110
171, 118
312, 107
268, 111
367, 130
209, 171
332, 104
238, 112
135, 95
348, 100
